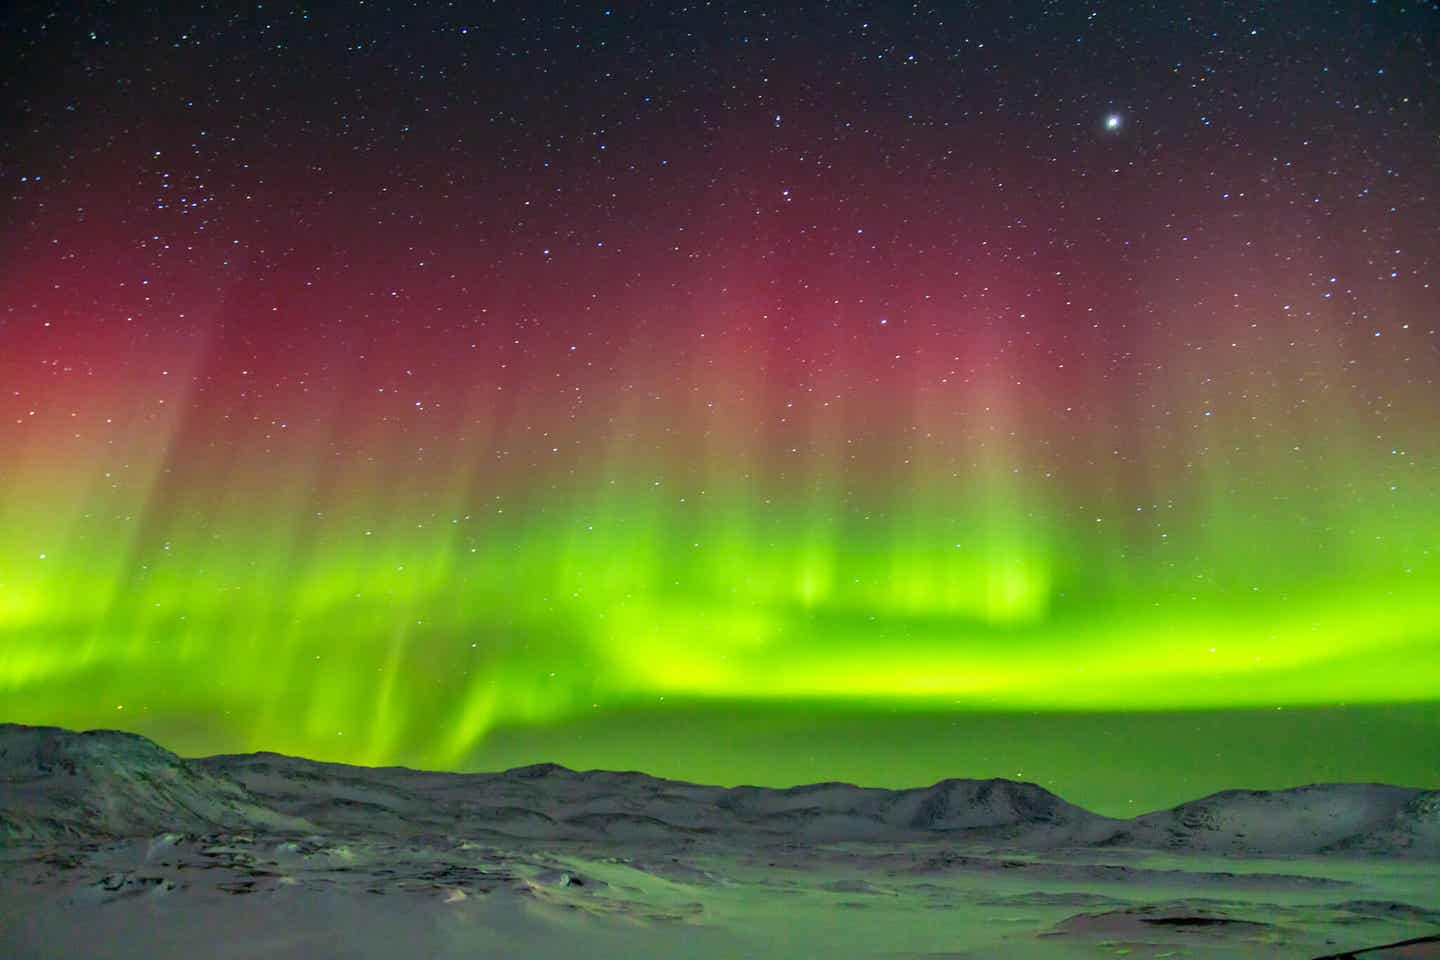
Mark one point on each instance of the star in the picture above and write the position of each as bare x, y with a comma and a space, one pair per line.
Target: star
1113, 121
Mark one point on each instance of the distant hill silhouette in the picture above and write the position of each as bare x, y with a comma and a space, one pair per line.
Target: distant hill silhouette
57, 783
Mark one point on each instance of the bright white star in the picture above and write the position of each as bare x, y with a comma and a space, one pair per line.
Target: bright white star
1113, 121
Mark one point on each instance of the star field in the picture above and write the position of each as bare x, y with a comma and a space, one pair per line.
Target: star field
435, 385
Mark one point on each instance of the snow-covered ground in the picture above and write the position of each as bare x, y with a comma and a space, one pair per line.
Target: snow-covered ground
113, 847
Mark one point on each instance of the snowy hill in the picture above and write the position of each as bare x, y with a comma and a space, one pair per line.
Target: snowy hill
55, 783
60, 783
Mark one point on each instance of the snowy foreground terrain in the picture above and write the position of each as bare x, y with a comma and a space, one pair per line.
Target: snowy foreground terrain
113, 847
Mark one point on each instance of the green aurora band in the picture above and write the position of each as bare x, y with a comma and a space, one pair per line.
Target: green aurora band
374, 636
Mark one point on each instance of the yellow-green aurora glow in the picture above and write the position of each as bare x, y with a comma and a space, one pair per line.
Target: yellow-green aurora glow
379, 639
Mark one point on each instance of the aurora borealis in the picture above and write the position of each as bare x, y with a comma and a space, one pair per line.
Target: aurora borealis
439, 387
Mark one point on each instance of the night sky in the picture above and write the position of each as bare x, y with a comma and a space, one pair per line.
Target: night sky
878, 392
